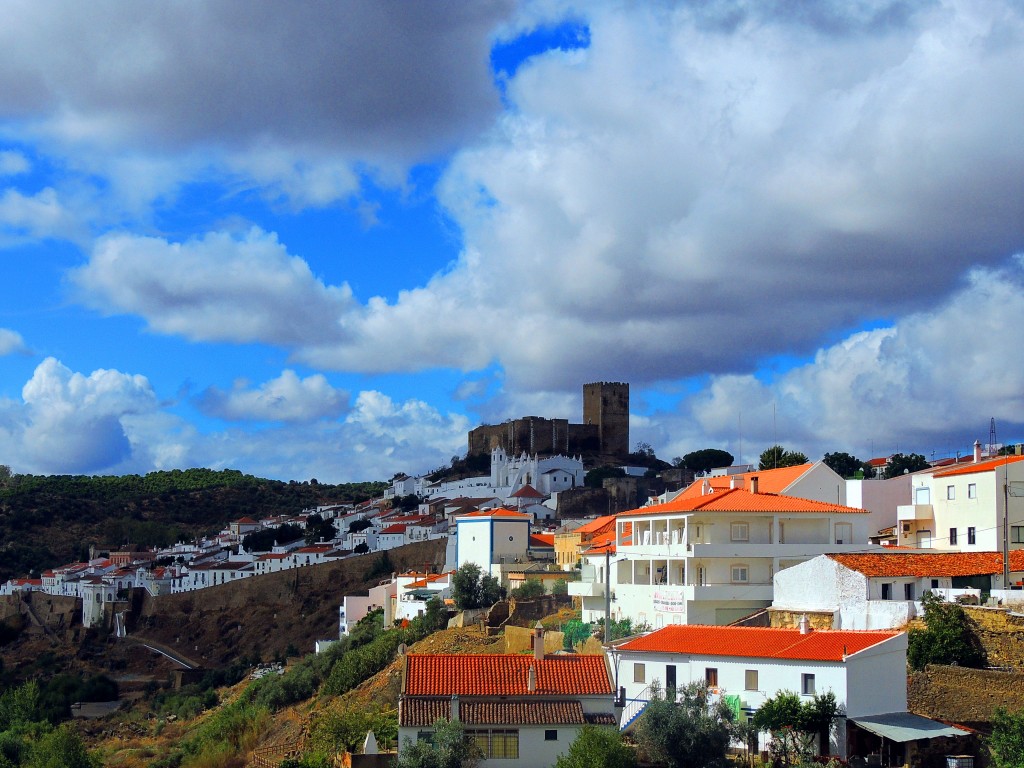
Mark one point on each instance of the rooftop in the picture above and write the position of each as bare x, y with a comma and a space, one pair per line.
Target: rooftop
505, 675
740, 500
930, 563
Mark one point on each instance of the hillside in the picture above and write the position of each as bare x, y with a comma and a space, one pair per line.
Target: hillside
51, 520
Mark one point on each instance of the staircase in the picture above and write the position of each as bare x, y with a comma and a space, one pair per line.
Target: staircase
271, 756
634, 708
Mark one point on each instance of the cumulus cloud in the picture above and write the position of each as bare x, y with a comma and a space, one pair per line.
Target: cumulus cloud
13, 163
221, 287
697, 191
11, 342
929, 382
383, 83
71, 422
286, 398
42, 215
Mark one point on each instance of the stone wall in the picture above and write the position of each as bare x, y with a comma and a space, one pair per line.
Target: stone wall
962, 695
1002, 635
576, 503
53, 611
785, 619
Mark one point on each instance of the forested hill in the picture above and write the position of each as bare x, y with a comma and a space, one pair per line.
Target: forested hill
47, 521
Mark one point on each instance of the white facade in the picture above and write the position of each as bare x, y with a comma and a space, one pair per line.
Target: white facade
492, 538
688, 564
871, 681
880, 498
962, 508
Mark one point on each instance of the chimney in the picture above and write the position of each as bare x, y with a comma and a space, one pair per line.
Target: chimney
538, 644
753, 483
705, 488
732, 482
977, 451
805, 625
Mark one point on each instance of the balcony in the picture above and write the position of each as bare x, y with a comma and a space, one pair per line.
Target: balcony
914, 512
586, 588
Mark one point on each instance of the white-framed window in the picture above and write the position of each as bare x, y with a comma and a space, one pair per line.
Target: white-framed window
950, 492
739, 532
923, 495
807, 684
971, 538
740, 574
972, 490
639, 673
1017, 534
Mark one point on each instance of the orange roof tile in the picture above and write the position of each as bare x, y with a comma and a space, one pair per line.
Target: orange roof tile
739, 500
527, 492
757, 642
503, 513
597, 525
426, 711
769, 480
505, 675
542, 540
930, 563
981, 466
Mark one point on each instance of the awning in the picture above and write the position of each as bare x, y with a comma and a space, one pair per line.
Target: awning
904, 726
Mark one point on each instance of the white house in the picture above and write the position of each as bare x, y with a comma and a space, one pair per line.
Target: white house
883, 590
866, 671
522, 710
814, 480
963, 508
490, 538
711, 558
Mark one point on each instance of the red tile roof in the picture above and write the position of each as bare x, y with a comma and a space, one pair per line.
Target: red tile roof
981, 466
769, 480
394, 529
506, 514
930, 563
527, 492
542, 540
505, 675
426, 711
757, 642
739, 500
597, 525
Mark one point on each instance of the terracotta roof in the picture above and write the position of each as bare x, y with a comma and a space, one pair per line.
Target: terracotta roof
930, 563
597, 525
426, 711
757, 642
739, 500
768, 480
504, 675
527, 492
246, 521
394, 529
542, 540
981, 466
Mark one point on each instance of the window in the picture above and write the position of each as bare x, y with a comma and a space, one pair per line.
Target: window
844, 533
711, 677
908, 591
740, 574
807, 684
639, 673
739, 532
887, 591
935, 583
950, 492
497, 744
550, 734
970, 536
750, 680
1017, 534
952, 535
972, 490
923, 495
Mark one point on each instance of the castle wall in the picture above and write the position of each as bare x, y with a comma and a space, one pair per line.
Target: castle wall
606, 404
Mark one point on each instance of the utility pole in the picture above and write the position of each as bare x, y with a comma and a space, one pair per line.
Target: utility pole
607, 596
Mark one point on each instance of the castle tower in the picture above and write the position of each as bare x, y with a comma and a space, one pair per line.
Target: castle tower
606, 405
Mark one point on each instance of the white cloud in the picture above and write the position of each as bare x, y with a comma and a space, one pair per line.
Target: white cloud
698, 191
11, 342
286, 398
13, 163
218, 288
930, 382
74, 423
41, 215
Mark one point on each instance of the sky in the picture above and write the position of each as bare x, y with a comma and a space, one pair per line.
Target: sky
324, 240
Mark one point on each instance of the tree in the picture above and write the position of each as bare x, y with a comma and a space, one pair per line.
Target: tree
595, 478
450, 747
793, 725
318, 529
1007, 741
530, 589
777, 456
706, 459
948, 639
61, 748
597, 747
845, 465
473, 589
689, 732
903, 463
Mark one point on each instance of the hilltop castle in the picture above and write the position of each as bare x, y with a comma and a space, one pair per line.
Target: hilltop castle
604, 431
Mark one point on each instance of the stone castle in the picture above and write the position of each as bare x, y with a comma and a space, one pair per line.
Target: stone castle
604, 431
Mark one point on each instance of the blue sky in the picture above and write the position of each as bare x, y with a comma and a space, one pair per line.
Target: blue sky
325, 240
